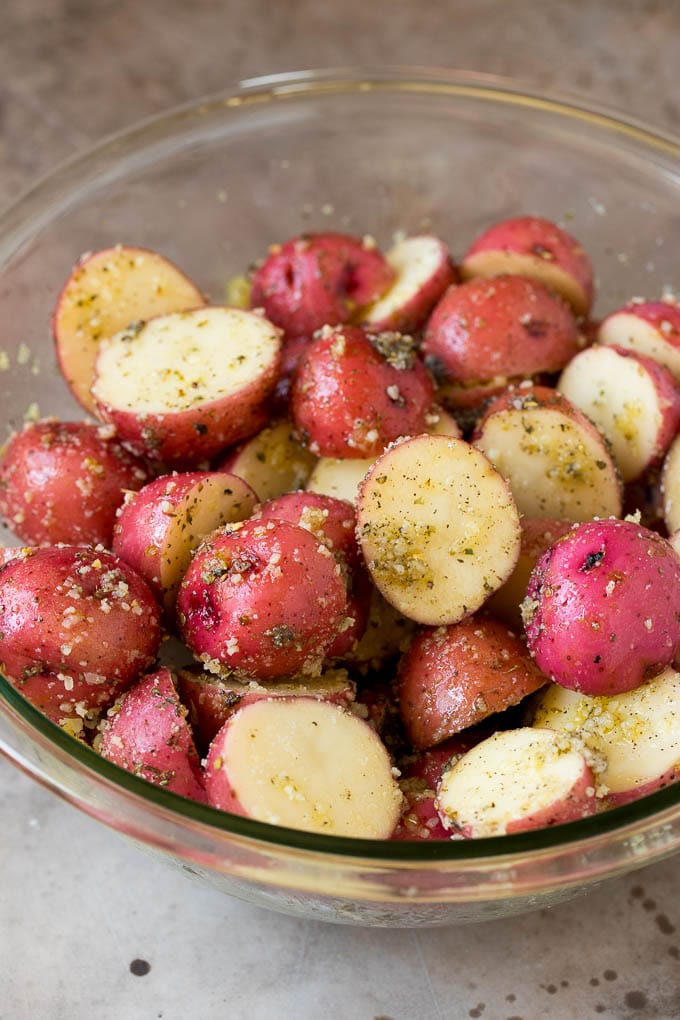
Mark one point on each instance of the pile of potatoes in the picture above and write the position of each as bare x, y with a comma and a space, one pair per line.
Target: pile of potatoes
413, 520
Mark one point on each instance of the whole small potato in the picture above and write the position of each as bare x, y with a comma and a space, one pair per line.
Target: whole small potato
602, 612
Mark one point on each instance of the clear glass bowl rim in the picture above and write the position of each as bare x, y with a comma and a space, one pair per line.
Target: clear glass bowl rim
54, 192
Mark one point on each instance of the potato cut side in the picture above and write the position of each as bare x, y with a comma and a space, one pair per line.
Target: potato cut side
272, 462
515, 780
420, 263
618, 394
306, 764
183, 361
438, 527
106, 292
550, 274
212, 502
633, 738
339, 478
670, 487
632, 332
556, 466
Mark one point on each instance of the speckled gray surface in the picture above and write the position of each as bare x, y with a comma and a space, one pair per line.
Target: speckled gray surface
77, 904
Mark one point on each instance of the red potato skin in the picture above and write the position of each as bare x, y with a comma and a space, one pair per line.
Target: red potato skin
80, 612
141, 529
351, 401
509, 326
49, 694
186, 439
413, 314
581, 803
293, 350
540, 240
63, 482
602, 611
453, 677
211, 700
147, 734
317, 280
643, 789
263, 598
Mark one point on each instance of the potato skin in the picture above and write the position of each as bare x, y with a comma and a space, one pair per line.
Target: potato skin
317, 280
147, 734
63, 482
505, 327
351, 399
79, 612
263, 598
602, 612
453, 677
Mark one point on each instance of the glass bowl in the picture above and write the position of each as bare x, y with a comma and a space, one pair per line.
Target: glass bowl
211, 185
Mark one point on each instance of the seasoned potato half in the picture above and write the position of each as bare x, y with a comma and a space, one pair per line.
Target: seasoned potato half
182, 387
305, 764
555, 460
634, 738
513, 781
424, 269
438, 527
107, 291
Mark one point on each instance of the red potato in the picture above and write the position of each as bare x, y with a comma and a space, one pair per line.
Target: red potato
159, 527
81, 615
265, 599
650, 328
180, 388
272, 462
292, 351
304, 764
107, 291
485, 333
147, 734
211, 700
63, 482
556, 462
670, 487
453, 677
537, 248
514, 781
10, 552
601, 612
537, 536
633, 401
318, 280
633, 738
73, 704
355, 392
423, 270
438, 528
332, 521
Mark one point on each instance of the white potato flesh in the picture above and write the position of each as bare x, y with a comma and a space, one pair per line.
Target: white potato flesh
309, 765
618, 394
339, 478
624, 329
180, 362
273, 462
105, 293
633, 738
511, 778
670, 487
551, 275
212, 502
556, 467
438, 527
416, 261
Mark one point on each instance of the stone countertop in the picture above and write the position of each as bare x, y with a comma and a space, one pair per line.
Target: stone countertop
77, 904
